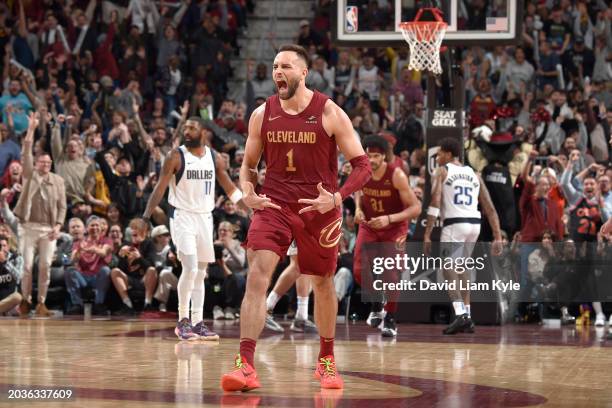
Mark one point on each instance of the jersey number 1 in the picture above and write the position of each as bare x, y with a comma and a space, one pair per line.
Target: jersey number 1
290, 166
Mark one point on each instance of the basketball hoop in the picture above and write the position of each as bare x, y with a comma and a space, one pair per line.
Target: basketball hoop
425, 39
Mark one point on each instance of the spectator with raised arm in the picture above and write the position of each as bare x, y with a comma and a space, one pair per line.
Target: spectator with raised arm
538, 214
70, 164
41, 210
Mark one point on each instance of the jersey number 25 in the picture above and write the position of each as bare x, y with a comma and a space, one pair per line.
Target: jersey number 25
463, 195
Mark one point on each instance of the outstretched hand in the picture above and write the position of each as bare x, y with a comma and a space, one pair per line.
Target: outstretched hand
606, 229
184, 109
33, 120
323, 203
497, 247
256, 201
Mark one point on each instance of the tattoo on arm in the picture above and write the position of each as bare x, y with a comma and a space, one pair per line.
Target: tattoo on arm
436, 197
487, 206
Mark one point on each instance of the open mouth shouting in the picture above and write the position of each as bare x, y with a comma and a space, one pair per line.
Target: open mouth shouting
281, 85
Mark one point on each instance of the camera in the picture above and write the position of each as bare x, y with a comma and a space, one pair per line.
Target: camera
218, 251
541, 160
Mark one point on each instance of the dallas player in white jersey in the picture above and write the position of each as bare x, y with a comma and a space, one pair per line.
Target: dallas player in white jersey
191, 171
458, 190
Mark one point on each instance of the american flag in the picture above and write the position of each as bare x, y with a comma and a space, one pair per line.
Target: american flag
497, 23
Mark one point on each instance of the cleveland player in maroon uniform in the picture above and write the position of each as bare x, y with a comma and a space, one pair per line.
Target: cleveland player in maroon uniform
299, 132
384, 208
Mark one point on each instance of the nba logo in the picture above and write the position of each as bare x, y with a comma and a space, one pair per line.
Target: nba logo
351, 19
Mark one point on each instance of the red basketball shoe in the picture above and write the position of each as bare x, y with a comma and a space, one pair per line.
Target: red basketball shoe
328, 375
243, 378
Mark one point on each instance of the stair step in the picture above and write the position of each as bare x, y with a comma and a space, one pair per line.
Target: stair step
289, 8
252, 42
281, 27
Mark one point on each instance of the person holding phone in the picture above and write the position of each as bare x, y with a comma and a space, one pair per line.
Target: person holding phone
230, 258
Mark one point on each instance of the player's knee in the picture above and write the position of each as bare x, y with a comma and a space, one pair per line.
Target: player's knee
257, 283
322, 283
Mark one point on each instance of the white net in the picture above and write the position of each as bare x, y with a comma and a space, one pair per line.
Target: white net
424, 39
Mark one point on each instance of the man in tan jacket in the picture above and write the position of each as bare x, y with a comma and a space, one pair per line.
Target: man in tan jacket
41, 210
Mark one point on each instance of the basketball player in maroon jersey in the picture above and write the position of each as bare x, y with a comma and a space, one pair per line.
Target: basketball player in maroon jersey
383, 210
299, 133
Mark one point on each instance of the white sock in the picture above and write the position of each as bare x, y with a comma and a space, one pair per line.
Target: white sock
147, 301
468, 310
128, 302
459, 308
302, 308
564, 311
185, 284
271, 301
197, 297
597, 308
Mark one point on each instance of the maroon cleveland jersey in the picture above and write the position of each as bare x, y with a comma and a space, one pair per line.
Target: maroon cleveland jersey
381, 198
298, 152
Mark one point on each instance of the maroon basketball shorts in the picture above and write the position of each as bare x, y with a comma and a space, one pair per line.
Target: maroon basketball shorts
393, 238
316, 235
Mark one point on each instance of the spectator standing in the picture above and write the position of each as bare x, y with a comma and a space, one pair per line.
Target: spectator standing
547, 71
538, 214
259, 87
16, 104
71, 166
41, 210
519, 73
9, 149
605, 192
320, 77
557, 31
169, 83
578, 61
369, 79
408, 88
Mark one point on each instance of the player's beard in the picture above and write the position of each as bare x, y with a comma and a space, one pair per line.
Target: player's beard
192, 142
292, 86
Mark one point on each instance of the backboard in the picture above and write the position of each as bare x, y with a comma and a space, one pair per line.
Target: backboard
371, 23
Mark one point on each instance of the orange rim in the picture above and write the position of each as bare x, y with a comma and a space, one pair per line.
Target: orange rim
419, 28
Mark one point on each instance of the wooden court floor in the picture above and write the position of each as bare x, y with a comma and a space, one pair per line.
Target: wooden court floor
138, 363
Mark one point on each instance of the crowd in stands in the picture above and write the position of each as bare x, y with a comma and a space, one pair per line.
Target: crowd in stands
108, 85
